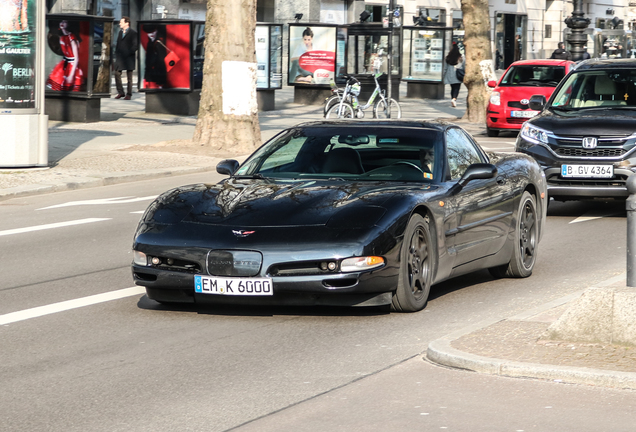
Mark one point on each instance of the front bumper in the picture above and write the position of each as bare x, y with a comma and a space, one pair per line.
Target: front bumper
560, 187
346, 289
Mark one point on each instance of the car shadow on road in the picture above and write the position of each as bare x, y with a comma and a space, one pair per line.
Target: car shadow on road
264, 310
588, 208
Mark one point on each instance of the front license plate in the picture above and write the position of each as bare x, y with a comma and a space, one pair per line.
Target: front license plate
523, 114
587, 171
233, 286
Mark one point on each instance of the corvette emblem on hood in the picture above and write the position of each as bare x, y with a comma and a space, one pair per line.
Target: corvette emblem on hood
242, 233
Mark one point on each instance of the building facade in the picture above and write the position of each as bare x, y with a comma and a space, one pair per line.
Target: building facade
520, 29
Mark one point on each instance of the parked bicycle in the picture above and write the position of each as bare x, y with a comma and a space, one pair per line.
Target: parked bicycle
348, 105
336, 95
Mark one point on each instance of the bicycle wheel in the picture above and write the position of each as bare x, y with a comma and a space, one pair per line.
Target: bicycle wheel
344, 110
380, 109
329, 102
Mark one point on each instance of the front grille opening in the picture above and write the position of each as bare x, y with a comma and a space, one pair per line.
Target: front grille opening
176, 265
516, 120
597, 152
618, 181
306, 268
340, 283
145, 276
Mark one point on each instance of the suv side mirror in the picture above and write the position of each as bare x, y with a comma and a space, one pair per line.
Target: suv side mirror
227, 166
537, 102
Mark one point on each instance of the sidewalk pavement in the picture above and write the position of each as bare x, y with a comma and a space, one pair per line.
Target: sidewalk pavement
129, 145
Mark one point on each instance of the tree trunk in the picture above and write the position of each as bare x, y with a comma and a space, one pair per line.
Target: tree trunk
228, 110
477, 48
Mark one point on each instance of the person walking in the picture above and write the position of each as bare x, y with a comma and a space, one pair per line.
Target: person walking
125, 49
452, 63
560, 53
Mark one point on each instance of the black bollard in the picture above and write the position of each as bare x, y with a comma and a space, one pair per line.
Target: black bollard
631, 231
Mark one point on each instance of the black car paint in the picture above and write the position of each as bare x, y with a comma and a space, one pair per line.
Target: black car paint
614, 127
472, 227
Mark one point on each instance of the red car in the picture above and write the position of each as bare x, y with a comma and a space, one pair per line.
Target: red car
508, 106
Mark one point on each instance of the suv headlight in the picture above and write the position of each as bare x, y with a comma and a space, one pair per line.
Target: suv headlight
534, 134
495, 98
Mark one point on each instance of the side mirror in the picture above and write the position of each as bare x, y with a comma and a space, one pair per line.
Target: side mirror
492, 84
475, 172
227, 167
537, 102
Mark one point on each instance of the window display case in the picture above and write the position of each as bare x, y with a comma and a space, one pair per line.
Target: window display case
367, 42
269, 63
77, 65
423, 55
170, 65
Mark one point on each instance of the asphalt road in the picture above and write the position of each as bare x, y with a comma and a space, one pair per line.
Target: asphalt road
75, 359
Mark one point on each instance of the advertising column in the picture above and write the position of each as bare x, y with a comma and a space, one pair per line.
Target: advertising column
22, 121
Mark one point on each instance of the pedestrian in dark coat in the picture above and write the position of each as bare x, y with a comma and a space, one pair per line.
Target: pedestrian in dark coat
560, 53
125, 50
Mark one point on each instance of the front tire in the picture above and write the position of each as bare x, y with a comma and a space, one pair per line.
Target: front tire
380, 109
344, 110
526, 241
329, 102
416, 267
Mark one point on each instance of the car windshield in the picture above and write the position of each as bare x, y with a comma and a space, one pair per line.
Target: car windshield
350, 153
597, 88
528, 75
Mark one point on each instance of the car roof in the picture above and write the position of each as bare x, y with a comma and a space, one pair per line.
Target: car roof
542, 62
439, 125
627, 63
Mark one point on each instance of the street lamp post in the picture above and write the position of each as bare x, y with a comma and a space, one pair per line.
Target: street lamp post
577, 23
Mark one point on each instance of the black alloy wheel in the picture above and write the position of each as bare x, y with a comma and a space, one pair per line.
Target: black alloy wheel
416, 267
526, 237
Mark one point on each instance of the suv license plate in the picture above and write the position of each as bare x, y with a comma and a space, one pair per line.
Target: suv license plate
523, 114
233, 286
587, 171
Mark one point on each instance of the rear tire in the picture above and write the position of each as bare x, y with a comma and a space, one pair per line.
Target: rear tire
380, 109
525, 241
346, 112
416, 267
492, 133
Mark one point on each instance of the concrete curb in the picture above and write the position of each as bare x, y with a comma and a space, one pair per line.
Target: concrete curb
441, 352
98, 180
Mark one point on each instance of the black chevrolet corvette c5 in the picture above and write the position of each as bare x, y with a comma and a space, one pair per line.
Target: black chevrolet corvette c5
362, 213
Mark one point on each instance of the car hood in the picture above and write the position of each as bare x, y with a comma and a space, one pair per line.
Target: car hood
599, 122
276, 203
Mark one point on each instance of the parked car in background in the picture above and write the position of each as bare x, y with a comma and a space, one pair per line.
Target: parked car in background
508, 107
344, 213
585, 136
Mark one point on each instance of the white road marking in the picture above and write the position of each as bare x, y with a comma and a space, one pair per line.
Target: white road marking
51, 226
120, 200
138, 212
586, 218
69, 304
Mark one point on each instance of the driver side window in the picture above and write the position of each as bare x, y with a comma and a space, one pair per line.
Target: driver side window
461, 153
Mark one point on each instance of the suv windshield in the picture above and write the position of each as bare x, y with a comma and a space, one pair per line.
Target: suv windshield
541, 76
597, 88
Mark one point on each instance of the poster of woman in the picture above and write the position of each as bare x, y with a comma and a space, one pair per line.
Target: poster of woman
17, 53
66, 40
164, 56
312, 54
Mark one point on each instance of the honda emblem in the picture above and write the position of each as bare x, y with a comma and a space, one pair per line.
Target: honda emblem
589, 143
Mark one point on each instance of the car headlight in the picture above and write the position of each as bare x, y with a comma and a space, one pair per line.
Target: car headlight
534, 134
495, 98
361, 263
